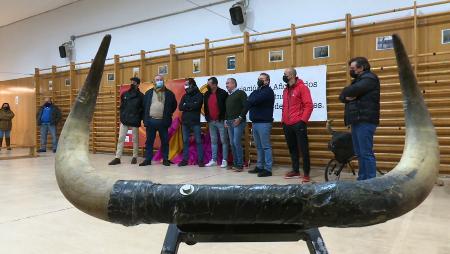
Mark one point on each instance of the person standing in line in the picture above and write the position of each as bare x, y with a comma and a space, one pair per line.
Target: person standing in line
159, 105
235, 121
47, 117
297, 109
131, 112
214, 105
260, 104
191, 106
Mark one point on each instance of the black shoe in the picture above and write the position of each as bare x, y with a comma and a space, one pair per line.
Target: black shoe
264, 173
182, 163
166, 163
256, 170
134, 160
9, 148
115, 161
54, 150
41, 150
145, 163
201, 164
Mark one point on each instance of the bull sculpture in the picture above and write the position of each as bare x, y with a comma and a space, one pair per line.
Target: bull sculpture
332, 204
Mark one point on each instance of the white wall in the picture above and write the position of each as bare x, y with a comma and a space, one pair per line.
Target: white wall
34, 42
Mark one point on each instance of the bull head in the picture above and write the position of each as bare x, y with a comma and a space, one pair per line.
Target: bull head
333, 204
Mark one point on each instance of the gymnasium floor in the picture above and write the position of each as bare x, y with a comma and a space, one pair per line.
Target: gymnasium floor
36, 218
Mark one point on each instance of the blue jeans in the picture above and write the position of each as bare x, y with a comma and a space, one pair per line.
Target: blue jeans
152, 126
6, 133
215, 126
235, 135
261, 135
45, 127
362, 137
198, 140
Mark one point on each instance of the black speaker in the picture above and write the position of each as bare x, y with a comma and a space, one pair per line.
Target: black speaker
237, 15
62, 51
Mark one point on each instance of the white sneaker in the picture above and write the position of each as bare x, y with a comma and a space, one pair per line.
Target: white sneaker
211, 163
224, 164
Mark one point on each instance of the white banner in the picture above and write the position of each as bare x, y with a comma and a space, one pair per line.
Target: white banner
313, 76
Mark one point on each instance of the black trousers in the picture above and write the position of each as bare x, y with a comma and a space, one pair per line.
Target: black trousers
297, 135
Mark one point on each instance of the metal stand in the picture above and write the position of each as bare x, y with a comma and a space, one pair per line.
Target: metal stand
192, 234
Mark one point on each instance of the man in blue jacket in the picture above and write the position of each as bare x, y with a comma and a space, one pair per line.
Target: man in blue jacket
47, 118
260, 104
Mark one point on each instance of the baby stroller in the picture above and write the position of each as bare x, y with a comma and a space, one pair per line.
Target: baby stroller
342, 147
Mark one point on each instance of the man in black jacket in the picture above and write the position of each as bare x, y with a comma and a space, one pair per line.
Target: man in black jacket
131, 110
214, 106
260, 104
362, 113
159, 105
191, 105
47, 118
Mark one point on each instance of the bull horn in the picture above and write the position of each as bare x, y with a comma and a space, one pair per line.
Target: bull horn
333, 204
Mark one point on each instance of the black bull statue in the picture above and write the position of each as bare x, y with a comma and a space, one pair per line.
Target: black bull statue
332, 204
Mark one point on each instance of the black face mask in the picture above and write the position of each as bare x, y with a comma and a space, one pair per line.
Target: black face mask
5, 107
47, 104
260, 83
353, 74
285, 79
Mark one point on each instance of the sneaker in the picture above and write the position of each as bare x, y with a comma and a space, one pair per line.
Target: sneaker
224, 164
201, 164
9, 148
134, 160
256, 170
182, 163
264, 173
114, 162
54, 150
145, 163
306, 179
166, 163
41, 150
238, 169
292, 175
211, 163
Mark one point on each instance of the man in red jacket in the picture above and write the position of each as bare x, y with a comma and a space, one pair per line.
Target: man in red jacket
297, 108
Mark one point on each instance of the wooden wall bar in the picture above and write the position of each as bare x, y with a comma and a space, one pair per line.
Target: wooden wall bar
421, 35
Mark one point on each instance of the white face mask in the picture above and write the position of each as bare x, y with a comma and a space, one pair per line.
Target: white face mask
186, 86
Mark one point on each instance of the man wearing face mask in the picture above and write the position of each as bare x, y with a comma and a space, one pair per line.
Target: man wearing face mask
362, 113
260, 104
191, 105
47, 118
131, 111
297, 109
6, 116
235, 121
214, 105
159, 105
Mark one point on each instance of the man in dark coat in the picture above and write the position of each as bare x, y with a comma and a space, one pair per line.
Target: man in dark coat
191, 106
131, 111
159, 105
362, 113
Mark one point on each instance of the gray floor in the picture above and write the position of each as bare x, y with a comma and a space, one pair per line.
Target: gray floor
36, 218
